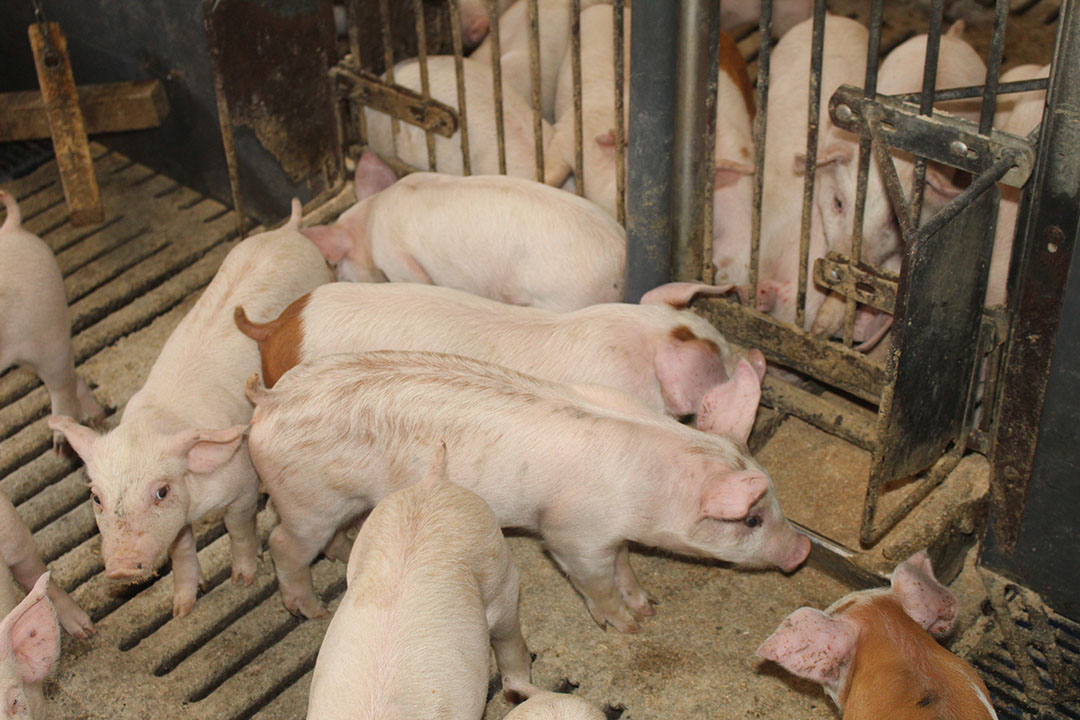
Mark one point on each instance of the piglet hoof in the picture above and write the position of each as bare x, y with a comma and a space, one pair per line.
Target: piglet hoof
183, 604
309, 608
72, 617
622, 619
243, 575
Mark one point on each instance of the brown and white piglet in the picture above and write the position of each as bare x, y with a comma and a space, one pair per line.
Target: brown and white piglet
667, 358
432, 587
29, 647
35, 323
504, 238
178, 453
874, 653
20, 555
587, 467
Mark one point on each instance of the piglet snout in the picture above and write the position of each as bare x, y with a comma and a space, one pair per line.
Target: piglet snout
798, 554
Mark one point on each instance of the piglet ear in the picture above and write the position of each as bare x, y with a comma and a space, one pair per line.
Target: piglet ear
679, 294
924, 599
730, 408
81, 438
812, 645
31, 633
333, 241
940, 186
731, 495
207, 450
729, 172
372, 175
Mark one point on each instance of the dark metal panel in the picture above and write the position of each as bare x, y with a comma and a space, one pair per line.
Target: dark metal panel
1035, 495
654, 28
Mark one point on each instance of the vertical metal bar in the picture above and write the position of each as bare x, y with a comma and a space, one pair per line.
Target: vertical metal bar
813, 119
926, 100
620, 130
534, 71
760, 120
356, 111
654, 28
425, 88
459, 74
708, 268
496, 78
695, 76
388, 58
993, 68
873, 52
575, 71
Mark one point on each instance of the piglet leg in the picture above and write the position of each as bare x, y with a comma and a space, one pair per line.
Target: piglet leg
511, 653
630, 589
293, 549
240, 524
593, 575
187, 577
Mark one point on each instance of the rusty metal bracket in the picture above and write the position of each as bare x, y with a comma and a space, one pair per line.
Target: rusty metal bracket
397, 101
867, 284
942, 138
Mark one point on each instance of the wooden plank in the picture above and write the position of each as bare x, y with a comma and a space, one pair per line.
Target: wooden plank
106, 107
66, 123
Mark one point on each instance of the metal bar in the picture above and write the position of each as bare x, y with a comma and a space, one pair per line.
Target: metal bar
459, 74
695, 76
993, 68
926, 101
496, 79
1036, 293
961, 201
388, 59
872, 117
872, 532
973, 91
813, 119
534, 72
225, 120
761, 102
861, 283
796, 348
873, 52
425, 88
654, 28
575, 72
618, 48
399, 102
855, 427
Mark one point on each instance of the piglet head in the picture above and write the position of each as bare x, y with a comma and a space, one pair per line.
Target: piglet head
739, 521
141, 484
814, 646
924, 599
29, 646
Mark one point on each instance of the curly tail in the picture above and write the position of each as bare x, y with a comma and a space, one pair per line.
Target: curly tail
297, 213
14, 215
259, 332
255, 391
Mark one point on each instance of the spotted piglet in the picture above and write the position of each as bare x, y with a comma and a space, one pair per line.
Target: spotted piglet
874, 653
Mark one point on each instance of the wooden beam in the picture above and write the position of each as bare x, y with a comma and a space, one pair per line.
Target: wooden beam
108, 107
66, 124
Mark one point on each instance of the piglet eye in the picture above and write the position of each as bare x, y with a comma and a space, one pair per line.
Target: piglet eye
838, 204
753, 521
97, 500
162, 492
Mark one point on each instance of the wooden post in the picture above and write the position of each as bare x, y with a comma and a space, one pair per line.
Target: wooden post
66, 124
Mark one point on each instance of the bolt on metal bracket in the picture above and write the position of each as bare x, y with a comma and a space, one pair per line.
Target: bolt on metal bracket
942, 137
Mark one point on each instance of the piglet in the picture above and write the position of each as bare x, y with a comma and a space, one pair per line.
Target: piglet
874, 654
410, 144
178, 453
786, 13
666, 358
587, 467
554, 706
431, 586
508, 239
21, 556
474, 18
35, 324
29, 647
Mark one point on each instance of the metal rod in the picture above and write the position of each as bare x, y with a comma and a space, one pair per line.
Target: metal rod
993, 68
425, 88
620, 129
575, 71
813, 119
973, 91
926, 100
695, 76
892, 180
873, 52
459, 74
496, 78
760, 119
388, 58
982, 181
534, 71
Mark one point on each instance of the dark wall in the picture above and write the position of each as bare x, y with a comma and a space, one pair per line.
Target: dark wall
165, 39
